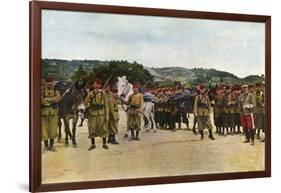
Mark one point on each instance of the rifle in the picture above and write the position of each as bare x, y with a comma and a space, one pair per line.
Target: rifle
106, 83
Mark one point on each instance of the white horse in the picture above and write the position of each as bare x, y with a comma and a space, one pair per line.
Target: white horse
125, 89
148, 115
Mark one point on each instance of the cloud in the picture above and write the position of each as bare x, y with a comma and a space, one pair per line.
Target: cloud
237, 47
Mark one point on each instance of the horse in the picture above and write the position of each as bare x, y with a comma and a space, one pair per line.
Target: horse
72, 97
148, 110
125, 89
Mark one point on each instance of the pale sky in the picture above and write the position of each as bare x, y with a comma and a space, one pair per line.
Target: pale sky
236, 47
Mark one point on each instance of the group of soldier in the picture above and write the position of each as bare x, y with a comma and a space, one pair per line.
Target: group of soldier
233, 107
102, 114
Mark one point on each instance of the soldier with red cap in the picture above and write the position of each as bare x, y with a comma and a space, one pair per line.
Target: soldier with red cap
202, 109
97, 104
49, 114
135, 106
247, 103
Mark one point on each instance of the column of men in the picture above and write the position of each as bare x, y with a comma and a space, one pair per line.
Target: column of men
233, 107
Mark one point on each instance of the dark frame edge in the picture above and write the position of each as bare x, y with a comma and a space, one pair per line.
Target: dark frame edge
268, 95
34, 105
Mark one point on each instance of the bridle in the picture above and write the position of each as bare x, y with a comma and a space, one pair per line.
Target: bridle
126, 90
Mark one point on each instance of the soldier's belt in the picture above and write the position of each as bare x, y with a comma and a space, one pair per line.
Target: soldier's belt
133, 106
97, 106
203, 105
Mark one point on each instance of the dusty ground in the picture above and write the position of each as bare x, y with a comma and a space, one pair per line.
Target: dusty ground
157, 154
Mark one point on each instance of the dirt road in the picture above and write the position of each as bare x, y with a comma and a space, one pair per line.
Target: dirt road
163, 153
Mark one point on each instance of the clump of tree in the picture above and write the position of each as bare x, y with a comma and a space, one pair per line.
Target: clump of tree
133, 71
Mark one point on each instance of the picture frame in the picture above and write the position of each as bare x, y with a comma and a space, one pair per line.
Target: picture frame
36, 8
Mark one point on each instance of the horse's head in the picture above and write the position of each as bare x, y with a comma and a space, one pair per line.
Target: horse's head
124, 87
62, 86
79, 85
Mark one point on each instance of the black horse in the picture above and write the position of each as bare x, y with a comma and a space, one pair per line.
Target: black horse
72, 96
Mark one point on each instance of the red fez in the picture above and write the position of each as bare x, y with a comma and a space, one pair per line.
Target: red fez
227, 87
136, 85
201, 86
97, 81
220, 88
49, 80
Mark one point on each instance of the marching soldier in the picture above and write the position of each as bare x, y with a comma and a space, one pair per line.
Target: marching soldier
97, 103
259, 111
49, 115
247, 103
218, 110
230, 102
202, 109
113, 114
135, 103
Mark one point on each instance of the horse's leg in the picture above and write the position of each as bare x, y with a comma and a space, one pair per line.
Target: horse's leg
59, 125
74, 123
66, 129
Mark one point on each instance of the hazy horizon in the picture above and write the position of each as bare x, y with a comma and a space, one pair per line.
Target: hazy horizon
235, 47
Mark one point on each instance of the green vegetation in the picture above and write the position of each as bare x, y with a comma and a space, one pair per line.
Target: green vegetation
72, 70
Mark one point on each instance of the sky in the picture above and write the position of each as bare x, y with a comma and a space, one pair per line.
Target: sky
236, 47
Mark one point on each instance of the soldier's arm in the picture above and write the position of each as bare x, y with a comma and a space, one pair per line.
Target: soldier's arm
141, 103
56, 98
88, 99
209, 104
196, 105
106, 106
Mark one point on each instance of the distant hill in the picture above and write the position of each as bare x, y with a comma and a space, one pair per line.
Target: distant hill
64, 69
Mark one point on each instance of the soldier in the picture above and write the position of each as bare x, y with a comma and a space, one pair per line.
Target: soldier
113, 114
218, 110
247, 103
202, 109
237, 122
135, 103
49, 114
161, 109
97, 103
259, 111
230, 102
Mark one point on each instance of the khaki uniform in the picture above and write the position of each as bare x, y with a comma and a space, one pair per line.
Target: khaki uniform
219, 110
113, 114
134, 112
97, 104
237, 121
202, 107
49, 113
259, 110
230, 106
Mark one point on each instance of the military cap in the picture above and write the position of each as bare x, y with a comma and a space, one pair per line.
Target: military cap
97, 81
201, 86
136, 85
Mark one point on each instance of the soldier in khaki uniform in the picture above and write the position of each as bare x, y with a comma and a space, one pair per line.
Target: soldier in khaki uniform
202, 109
230, 102
113, 114
247, 103
218, 110
135, 103
237, 122
97, 104
259, 111
49, 115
